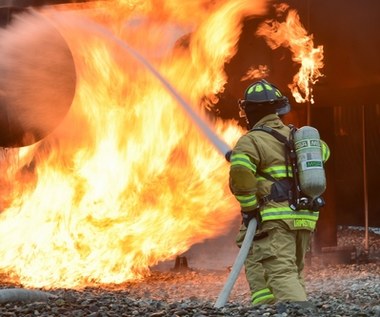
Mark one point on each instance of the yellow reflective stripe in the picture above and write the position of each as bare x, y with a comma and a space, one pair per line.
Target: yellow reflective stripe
262, 295
260, 178
262, 298
246, 200
287, 213
278, 171
325, 151
261, 292
242, 160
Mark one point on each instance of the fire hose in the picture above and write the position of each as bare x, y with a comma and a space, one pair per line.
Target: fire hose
238, 264
23, 295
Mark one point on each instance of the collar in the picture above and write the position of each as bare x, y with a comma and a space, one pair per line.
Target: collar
271, 120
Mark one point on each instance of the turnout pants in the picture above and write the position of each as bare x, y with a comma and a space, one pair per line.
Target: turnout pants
274, 266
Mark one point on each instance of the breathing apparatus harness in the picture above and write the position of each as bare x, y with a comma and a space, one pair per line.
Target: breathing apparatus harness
288, 188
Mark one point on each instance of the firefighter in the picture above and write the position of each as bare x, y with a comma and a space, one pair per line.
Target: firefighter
275, 263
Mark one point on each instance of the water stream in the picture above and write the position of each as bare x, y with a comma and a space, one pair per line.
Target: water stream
201, 123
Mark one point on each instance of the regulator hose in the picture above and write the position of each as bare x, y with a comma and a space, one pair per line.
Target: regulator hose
239, 262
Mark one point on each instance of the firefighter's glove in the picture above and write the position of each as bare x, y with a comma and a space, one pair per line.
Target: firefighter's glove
227, 156
247, 216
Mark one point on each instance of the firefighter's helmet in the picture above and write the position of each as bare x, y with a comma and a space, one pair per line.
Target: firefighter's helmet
261, 98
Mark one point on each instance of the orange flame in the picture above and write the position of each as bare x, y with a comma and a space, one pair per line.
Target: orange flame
253, 73
126, 180
293, 35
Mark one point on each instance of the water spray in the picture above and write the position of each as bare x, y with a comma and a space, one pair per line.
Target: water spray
201, 123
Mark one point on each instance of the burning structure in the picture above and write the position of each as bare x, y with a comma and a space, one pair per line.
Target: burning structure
126, 179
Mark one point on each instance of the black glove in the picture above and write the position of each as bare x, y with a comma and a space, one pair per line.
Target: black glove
247, 216
228, 156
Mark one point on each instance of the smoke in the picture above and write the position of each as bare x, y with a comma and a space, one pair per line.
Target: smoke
37, 80
212, 254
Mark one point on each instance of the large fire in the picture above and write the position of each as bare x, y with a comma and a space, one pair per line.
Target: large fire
127, 180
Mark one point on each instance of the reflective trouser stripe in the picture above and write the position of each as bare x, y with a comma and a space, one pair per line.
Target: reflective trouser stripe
302, 218
262, 295
274, 213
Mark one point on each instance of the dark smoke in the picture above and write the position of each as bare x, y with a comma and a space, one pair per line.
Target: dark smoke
37, 80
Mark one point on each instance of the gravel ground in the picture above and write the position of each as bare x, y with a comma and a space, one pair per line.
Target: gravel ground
335, 290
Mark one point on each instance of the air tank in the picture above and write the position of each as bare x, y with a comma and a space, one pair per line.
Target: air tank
312, 178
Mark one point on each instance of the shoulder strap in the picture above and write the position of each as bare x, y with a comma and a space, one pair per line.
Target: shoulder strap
267, 176
290, 155
274, 133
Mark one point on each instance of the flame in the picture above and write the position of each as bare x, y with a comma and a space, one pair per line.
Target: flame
127, 180
253, 73
292, 34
